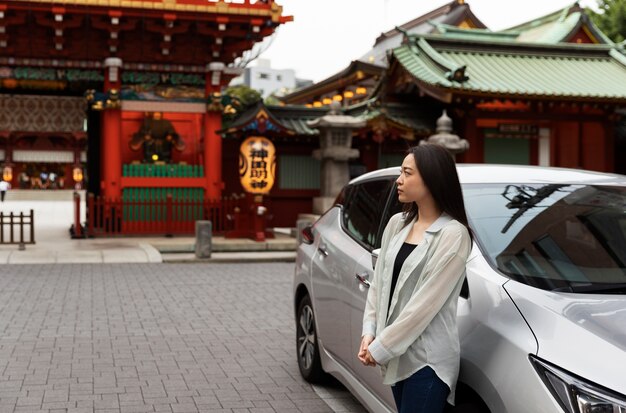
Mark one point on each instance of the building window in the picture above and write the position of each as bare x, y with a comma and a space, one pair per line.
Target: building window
298, 172
264, 76
279, 77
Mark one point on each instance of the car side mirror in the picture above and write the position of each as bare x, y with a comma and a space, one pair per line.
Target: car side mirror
375, 257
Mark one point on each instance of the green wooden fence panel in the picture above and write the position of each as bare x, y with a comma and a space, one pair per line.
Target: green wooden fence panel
138, 208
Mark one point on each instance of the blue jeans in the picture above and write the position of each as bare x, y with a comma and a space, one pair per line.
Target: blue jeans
423, 392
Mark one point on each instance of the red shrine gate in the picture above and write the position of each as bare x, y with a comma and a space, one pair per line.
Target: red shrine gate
151, 72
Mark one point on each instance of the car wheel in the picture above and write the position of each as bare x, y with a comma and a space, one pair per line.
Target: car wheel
306, 341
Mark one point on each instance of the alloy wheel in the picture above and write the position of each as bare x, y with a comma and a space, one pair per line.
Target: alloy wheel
306, 337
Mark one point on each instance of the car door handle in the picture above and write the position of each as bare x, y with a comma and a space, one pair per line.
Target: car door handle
363, 279
322, 249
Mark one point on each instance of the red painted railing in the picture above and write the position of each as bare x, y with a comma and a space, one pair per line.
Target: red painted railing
109, 217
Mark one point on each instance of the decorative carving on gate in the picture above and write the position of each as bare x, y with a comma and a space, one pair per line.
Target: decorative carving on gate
31, 113
157, 137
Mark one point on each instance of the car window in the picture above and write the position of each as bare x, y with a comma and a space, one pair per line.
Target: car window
394, 206
552, 236
344, 195
363, 210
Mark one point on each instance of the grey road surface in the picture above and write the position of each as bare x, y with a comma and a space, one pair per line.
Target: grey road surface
152, 338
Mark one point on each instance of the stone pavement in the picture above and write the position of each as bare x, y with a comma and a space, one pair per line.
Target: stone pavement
54, 215
134, 338
143, 337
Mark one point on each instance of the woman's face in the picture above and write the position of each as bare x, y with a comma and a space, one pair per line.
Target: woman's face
411, 188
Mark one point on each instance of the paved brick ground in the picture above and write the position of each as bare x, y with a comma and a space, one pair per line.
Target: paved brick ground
149, 338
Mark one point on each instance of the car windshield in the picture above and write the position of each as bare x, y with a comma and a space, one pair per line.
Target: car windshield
553, 236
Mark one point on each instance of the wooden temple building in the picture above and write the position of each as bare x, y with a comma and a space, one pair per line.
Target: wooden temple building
516, 102
356, 82
128, 93
548, 92
122, 97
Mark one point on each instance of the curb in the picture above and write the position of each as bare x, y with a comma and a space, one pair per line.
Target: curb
230, 257
152, 253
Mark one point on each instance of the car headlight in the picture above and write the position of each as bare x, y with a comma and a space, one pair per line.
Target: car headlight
576, 395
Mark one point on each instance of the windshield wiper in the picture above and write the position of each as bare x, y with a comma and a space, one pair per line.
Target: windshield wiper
617, 288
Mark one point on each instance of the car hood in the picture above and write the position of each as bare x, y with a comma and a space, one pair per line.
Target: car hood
582, 333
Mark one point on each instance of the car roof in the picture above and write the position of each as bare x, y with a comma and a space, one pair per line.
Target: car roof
489, 173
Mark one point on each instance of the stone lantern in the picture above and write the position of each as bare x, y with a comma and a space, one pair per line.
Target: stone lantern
334, 153
446, 138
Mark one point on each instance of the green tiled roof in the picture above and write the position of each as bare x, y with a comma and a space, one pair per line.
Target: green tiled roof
558, 26
408, 116
551, 32
516, 69
295, 118
454, 32
553, 28
281, 119
557, 30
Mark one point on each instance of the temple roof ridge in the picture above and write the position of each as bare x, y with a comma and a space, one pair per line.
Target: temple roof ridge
462, 32
510, 44
559, 14
425, 18
559, 26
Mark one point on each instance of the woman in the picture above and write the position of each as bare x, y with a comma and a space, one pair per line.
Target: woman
409, 324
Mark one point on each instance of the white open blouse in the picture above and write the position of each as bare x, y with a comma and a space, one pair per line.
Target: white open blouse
420, 329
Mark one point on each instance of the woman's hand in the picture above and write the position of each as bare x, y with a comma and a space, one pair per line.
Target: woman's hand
364, 355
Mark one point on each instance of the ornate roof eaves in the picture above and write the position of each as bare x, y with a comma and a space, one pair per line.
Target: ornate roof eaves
274, 11
331, 82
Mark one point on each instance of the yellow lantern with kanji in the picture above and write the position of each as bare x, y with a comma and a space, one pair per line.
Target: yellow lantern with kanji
257, 165
77, 174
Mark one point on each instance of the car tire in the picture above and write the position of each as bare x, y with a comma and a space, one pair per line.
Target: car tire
307, 348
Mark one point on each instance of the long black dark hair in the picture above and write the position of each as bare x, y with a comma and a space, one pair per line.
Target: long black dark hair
437, 168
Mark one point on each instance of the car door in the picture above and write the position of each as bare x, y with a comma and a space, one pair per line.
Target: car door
381, 213
332, 268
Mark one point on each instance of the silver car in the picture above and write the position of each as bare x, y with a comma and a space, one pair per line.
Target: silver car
542, 316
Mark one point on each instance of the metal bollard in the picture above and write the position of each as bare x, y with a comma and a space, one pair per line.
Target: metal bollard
204, 234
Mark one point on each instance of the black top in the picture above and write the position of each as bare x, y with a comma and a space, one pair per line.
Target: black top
405, 250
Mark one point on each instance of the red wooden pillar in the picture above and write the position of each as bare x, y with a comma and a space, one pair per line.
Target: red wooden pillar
370, 153
212, 140
476, 151
111, 132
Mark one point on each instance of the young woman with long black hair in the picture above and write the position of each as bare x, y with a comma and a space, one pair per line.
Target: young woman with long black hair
409, 325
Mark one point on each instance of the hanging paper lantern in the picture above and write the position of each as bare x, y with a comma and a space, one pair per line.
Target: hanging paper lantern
257, 165
7, 173
77, 174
